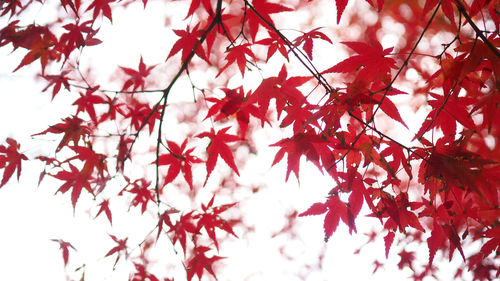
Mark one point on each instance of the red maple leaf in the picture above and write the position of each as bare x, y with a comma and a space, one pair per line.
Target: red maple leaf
195, 4
307, 40
138, 113
10, 160
218, 147
86, 103
142, 274
388, 239
64, 246
143, 194
199, 262
165, 219
265, 9
341, 4
334, 208
274, 43
300, 116
73, 179
37, 39
92, 161
57, 81
73, 129
445, 113
74, 38
233, 104
10, 6
371, 61
105, 208
180, 229
189, 40
239, 55
313, 146
282, 89
179, 159
397, 211
210, 220
493, 244
101, 6
446, 6
73, 4
121, 247
137, 77
123, 151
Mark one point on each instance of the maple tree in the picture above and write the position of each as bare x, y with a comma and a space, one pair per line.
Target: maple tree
169, 131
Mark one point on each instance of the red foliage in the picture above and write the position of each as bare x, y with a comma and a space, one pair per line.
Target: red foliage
435, 183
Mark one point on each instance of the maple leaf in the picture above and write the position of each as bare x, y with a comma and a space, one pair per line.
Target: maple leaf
399, 159
39, 41
397, 211
189, 40
265, 9
477, 52
446, 7
101, 6
282, 89
453, 110
406, 259
180, 229
123, 151
165, 219
200, 262
64, 246
10, 6
314, 210
377, 265
179, 159
86, 103
451, 166
92, 160
300, 116
307, 40
195, 4
143, 195
75, 39
74, 5
334, 208
233, 104
488, 104
121, 247
274, 43
10, 160
388, 239
105, 208
239, 55
210, 219
138, 113
493, 244
57, 81
341, 4
371, 61
218, 147
73, 129
73, 179
142, 274
313, 146
137, 77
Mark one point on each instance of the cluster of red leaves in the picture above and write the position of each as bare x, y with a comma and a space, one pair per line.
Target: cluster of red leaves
10, 160
441, 190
